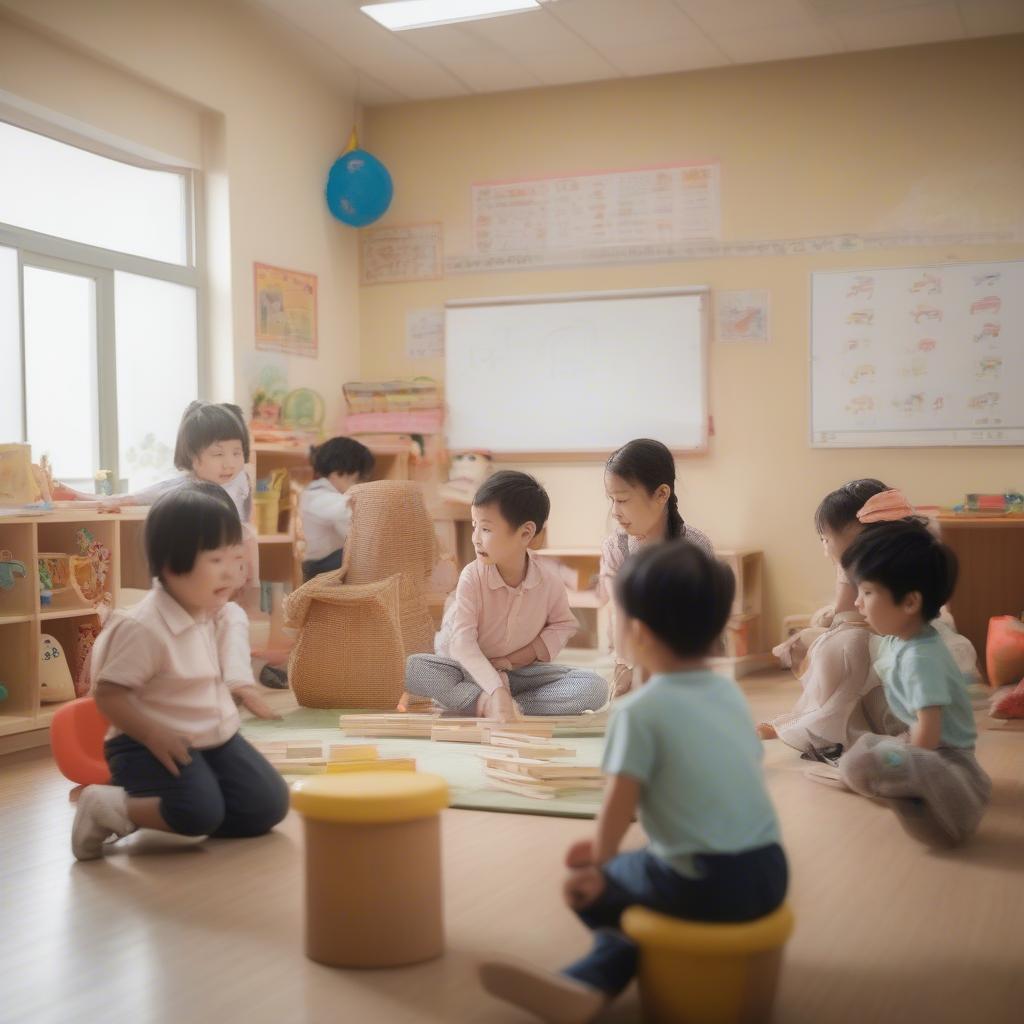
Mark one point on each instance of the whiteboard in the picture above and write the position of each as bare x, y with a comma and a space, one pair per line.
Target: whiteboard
930, 355
577, 374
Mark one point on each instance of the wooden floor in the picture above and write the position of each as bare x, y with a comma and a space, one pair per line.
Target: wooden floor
886, 931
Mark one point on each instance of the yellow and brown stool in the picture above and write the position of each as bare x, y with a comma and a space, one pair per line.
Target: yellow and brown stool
696, 972
373, 867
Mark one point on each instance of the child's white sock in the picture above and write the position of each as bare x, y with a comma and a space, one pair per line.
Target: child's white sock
102, 812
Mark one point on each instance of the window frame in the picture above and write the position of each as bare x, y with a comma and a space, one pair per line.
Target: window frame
50, 252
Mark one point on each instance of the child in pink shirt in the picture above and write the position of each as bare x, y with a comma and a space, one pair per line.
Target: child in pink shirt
509, 621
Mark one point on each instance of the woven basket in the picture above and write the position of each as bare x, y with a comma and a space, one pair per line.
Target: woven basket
349, 650
358, 625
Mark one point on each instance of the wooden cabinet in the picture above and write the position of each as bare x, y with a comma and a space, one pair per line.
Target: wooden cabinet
24, 719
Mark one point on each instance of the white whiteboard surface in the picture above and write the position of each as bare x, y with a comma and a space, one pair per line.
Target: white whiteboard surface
577, 374
912, 356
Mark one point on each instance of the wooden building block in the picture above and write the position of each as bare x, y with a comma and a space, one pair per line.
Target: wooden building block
458, 734
294, 750
380, 764
339, 752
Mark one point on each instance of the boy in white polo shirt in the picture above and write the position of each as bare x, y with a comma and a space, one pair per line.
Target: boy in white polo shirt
168, 674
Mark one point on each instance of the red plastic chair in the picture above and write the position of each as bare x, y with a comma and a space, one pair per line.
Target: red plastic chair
76, 739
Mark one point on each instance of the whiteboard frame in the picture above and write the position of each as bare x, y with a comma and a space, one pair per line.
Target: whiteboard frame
601, 454
972, 442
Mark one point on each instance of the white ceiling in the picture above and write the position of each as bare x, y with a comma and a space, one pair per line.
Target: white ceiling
589, 40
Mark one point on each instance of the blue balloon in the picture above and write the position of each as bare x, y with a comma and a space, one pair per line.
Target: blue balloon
359, 188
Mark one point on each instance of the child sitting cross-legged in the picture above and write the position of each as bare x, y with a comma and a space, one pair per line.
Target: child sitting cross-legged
682, 752
168, 674
929, 775
509, 620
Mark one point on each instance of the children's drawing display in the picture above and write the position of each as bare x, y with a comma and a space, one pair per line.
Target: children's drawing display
577, 373
918, 356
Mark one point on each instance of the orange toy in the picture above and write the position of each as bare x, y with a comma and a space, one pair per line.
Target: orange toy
76, 739
1004, 650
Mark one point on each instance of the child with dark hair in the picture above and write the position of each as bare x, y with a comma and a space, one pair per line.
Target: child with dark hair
842, 696
681, 753
930, 774
212, 445
168, 674
509, 620
640, 481
338, 464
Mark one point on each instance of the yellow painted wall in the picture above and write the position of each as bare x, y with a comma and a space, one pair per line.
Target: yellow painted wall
925, 139
213, 84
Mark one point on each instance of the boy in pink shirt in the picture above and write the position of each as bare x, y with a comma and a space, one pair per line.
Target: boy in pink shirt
509, 620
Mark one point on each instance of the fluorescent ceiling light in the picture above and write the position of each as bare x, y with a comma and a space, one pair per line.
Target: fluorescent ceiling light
404, 14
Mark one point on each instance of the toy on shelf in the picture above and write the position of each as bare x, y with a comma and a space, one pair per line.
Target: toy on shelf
1009, 504
270, 500
393, 406
54, 571
89, 569
303, 409
55, 683
85, 641
467, 472
21, 483
11, 569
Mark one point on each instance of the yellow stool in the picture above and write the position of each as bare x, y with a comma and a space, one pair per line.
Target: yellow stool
695, 972
373, 867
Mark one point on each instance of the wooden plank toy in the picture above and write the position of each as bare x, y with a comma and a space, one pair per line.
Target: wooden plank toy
339, 752
380, 764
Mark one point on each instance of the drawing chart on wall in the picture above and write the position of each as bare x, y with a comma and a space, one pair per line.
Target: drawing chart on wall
575, 215
929, 355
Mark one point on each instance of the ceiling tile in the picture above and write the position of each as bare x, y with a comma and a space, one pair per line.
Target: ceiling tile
779, 43
719, 16
926, 23
992, 17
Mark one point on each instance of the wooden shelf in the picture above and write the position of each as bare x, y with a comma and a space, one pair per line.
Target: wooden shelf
583, 599
275, 538
567, 552
10, 620
10, 724
46, 614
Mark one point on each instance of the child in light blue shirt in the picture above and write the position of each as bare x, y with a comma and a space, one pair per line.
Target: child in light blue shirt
930, 774
682, 754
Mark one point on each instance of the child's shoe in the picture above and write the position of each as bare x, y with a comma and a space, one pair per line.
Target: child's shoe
551, 997
274, 678
102, 812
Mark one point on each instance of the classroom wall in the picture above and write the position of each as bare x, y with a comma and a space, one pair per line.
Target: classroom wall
214, 85
924, 139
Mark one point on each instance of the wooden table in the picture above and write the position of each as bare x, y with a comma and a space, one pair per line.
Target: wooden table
991, 554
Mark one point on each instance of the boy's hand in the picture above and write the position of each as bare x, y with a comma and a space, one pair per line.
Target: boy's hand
168, 747
249, 698
499, 706
581, 854
583, 886
501, 664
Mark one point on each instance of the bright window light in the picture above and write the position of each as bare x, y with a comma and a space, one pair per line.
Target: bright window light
403, 14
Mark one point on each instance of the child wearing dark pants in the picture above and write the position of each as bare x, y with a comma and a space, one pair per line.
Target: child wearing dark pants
168, 675
681, 753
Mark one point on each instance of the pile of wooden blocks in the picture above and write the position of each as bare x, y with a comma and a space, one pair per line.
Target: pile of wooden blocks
294, 757
527, 765
467, 730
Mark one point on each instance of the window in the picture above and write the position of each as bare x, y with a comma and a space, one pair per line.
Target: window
99, 341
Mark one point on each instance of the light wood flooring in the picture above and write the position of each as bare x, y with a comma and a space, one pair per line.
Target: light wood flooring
192, 933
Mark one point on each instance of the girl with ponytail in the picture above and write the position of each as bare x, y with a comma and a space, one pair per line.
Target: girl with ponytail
640, 481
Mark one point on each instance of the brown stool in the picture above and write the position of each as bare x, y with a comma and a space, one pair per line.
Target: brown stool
373, 867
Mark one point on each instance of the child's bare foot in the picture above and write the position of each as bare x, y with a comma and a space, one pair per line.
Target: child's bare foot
551, 997
403, 702
766, 731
